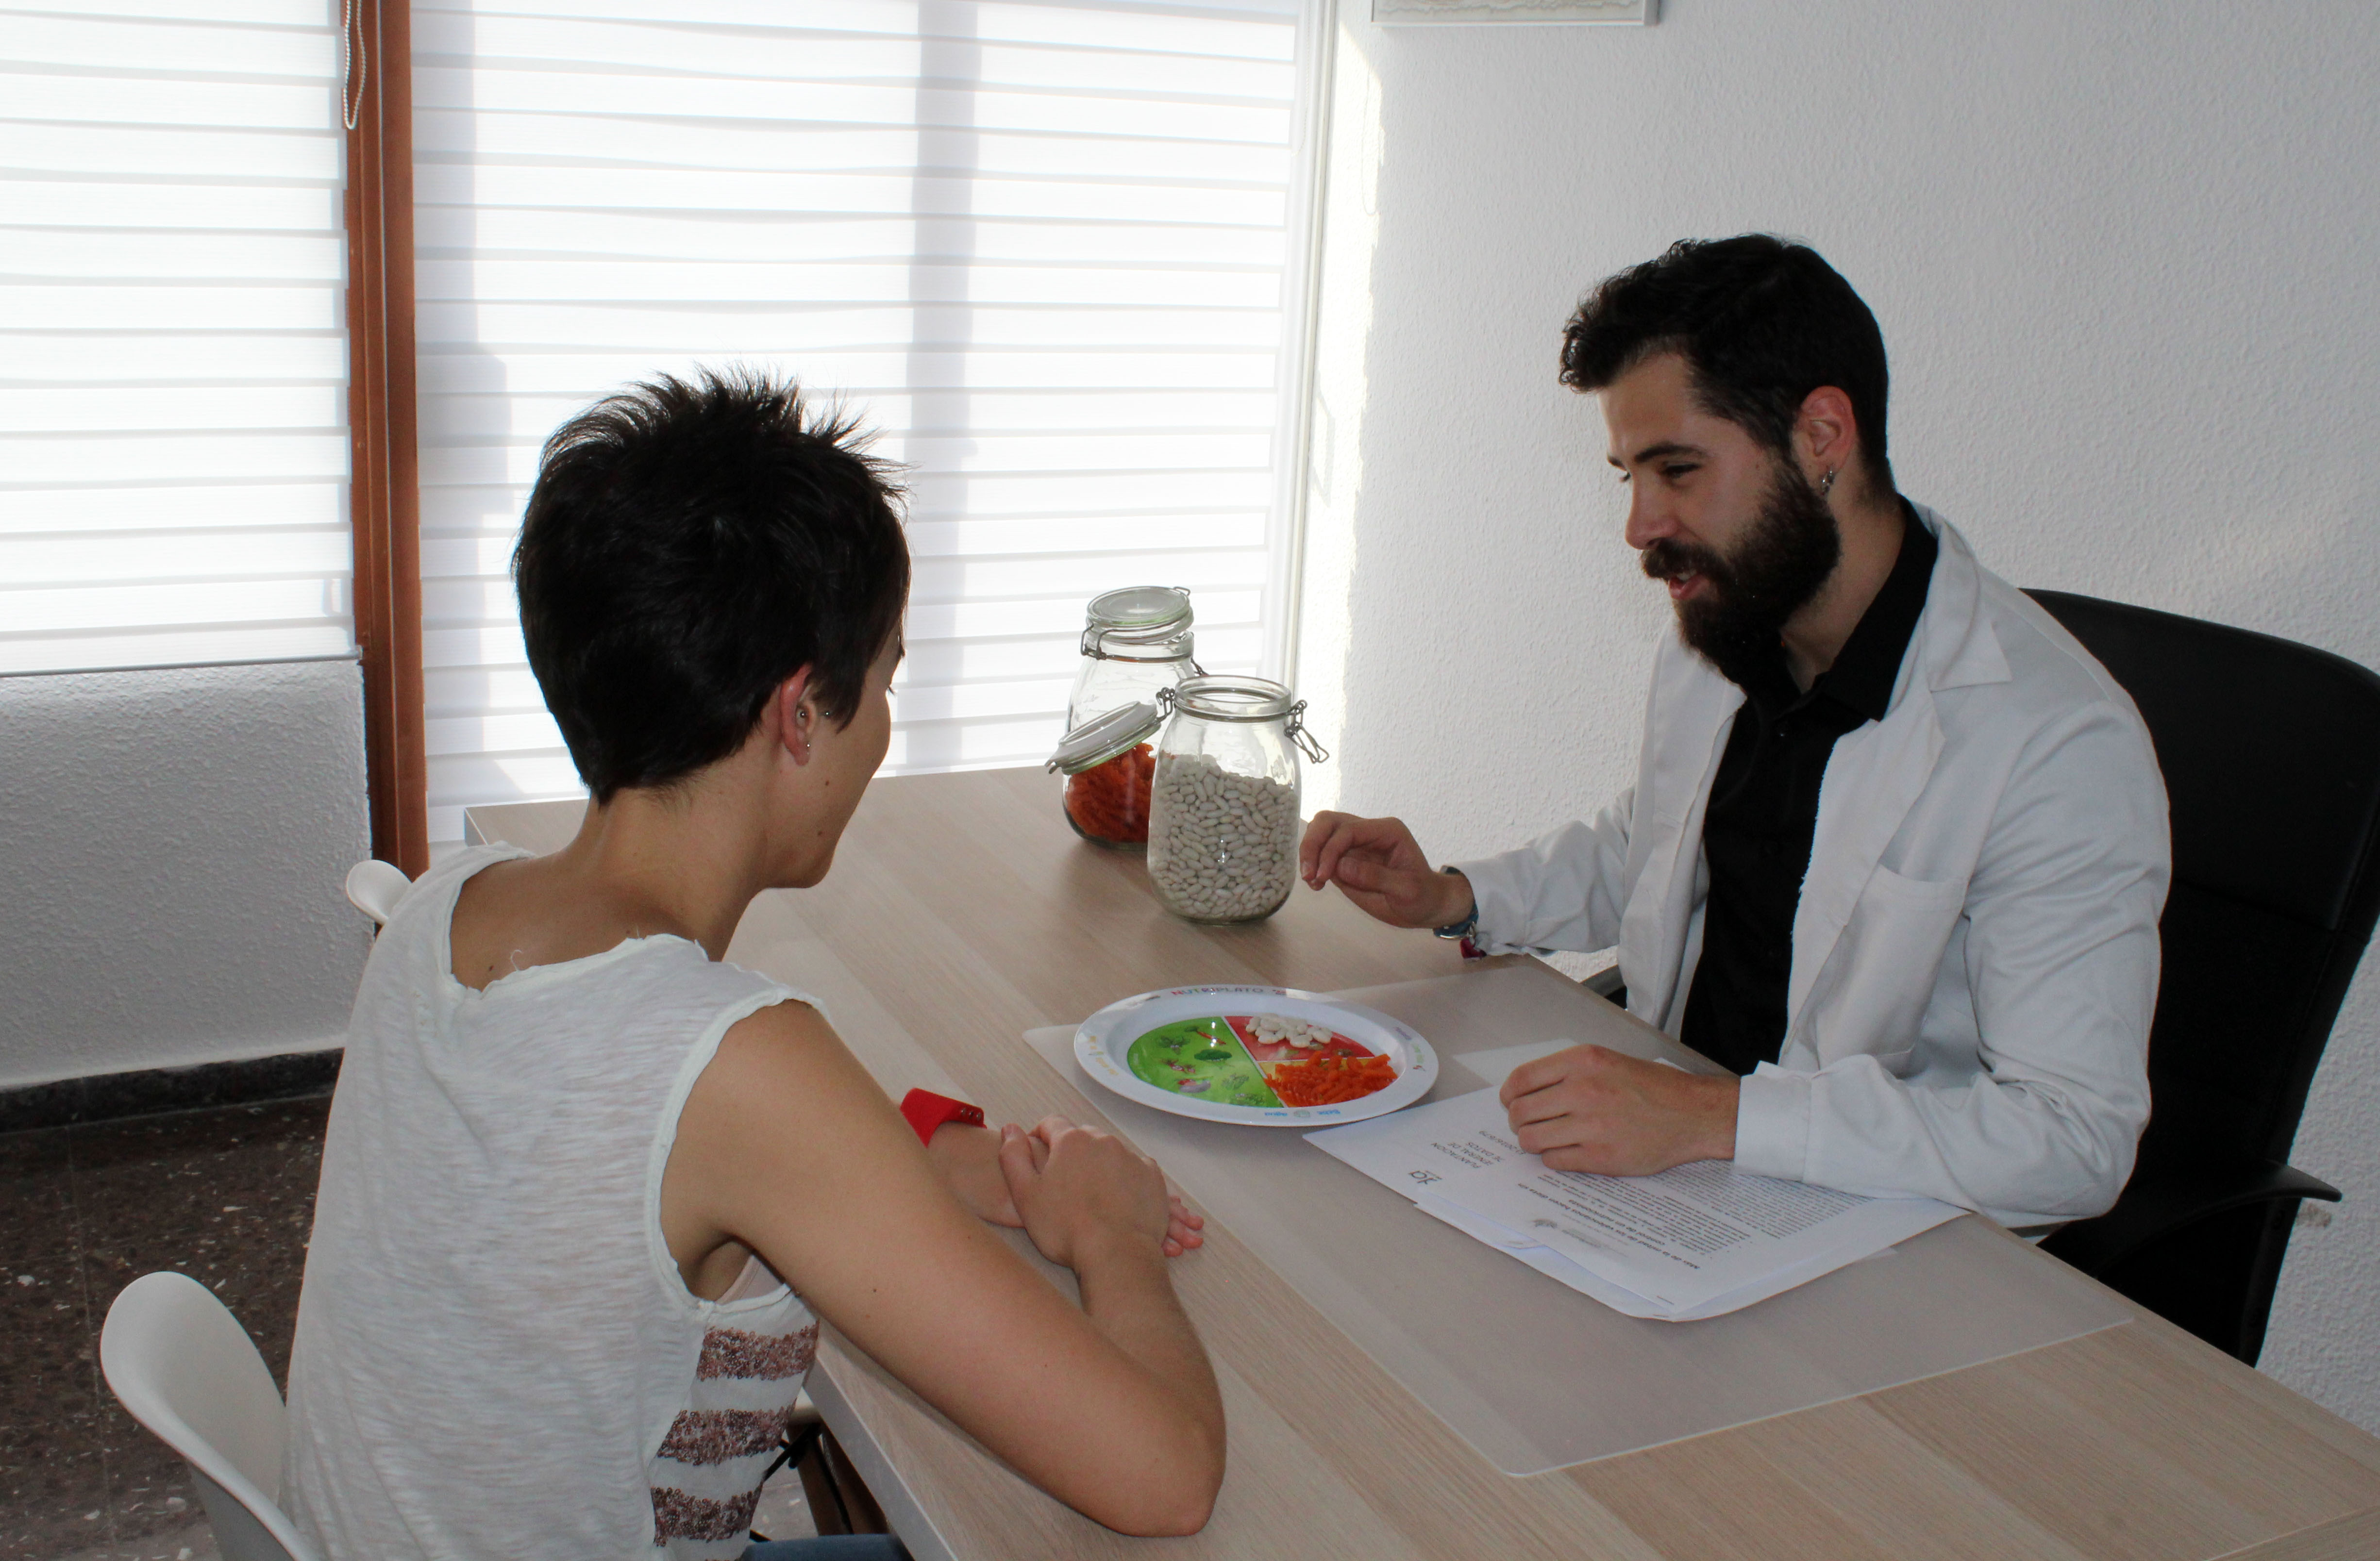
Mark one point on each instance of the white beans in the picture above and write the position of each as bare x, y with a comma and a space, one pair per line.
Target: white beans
1301, 1033
1222, 846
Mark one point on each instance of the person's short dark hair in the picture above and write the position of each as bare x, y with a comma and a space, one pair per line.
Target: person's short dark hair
688, 548
1760, 321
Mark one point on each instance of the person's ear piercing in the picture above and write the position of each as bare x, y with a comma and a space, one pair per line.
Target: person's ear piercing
1827, 483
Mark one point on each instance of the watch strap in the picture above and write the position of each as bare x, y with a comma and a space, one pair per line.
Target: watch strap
924, 1110
1468, 928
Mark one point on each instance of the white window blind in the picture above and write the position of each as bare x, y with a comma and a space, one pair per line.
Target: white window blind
172, 444
1045, 247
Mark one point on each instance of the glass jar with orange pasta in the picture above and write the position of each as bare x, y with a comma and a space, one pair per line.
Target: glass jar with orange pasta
1135, 642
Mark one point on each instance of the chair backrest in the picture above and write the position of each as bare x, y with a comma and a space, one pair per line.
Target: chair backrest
180, 1364
375, 887
2271, 754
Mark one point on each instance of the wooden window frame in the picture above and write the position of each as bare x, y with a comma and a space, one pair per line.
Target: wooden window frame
384, 482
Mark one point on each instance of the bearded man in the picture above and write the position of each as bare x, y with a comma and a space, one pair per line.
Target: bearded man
1897, 848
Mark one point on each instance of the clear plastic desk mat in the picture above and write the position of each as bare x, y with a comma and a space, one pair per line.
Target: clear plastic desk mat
1535, 1375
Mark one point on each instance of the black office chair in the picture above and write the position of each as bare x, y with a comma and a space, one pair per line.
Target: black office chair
2271, 754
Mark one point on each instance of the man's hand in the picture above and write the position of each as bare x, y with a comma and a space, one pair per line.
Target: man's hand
1376, 863
968, 1157
1594, 1109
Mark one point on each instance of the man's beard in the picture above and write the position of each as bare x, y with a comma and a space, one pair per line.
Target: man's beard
1734, 620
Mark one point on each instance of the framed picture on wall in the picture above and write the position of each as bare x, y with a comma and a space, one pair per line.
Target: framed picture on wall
1450, 13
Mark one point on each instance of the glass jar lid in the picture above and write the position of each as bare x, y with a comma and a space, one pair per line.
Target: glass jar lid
1104, 736
1226, 697
1241, 698
1138, 619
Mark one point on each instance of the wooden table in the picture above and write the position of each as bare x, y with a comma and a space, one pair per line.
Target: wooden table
962, 911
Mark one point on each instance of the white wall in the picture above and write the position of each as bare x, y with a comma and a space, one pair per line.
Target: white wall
2124, 258
172, 846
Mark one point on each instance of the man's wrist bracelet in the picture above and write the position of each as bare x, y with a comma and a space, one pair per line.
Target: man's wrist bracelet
1468, 924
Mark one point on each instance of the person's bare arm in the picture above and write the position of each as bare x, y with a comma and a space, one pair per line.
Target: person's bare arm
968, 1157
787, 1146
1059, 1174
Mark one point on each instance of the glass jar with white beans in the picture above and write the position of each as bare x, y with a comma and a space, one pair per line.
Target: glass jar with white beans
1223, 816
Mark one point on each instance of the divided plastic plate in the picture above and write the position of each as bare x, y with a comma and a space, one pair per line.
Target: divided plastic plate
1103, 1046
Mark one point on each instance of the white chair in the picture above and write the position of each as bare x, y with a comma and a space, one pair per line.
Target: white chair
375, 887
180, 1364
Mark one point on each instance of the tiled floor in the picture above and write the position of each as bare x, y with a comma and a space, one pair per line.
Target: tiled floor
226, 1196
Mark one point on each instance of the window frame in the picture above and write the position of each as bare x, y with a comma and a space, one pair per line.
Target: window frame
384, 496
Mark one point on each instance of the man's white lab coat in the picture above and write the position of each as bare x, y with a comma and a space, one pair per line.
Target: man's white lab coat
1975, 957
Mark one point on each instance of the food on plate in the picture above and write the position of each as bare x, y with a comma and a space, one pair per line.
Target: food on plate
1258, 1059
1202, 1060
1277, 1037
1273, 1027
1331, 1081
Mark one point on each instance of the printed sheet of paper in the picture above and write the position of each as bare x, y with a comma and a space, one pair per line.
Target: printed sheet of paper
1544, 1259
1696, 1240
1494, 1064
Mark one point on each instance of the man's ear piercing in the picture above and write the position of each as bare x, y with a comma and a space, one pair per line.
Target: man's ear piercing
1827, 483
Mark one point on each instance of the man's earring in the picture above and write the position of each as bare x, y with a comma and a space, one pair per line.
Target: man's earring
1827, 483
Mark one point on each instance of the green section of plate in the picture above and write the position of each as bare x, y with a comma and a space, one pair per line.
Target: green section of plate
1200, 1060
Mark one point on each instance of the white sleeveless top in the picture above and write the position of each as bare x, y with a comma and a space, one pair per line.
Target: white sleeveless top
495, 1353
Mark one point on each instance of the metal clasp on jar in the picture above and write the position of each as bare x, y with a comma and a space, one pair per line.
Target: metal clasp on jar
1307, 744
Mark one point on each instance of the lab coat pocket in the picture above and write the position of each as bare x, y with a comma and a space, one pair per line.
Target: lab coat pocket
1882, 972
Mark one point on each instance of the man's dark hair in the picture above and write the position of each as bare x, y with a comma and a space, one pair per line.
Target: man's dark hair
688, 548
1760, 321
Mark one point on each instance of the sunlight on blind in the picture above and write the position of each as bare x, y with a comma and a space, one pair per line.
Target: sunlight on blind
172, 444
1040, 246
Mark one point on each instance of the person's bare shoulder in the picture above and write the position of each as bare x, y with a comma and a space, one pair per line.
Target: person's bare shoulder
783, 1102
785, 1049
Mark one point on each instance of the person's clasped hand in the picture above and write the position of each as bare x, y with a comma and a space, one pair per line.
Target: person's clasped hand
1591, 1109
1070, 1185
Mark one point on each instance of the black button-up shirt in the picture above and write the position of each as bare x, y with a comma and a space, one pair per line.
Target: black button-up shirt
1763, 808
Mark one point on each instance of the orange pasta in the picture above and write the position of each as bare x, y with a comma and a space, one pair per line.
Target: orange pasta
1110, 802
1329, 1081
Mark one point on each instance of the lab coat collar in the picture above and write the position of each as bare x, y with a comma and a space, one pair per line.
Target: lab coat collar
1954, 642
1877, 773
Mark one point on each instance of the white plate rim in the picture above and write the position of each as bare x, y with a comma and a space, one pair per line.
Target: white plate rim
1094, 1037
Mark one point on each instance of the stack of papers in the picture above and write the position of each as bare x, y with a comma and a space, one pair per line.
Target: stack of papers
1696, 1240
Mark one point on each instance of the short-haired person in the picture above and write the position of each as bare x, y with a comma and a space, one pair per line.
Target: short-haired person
586, 1189
1897, 847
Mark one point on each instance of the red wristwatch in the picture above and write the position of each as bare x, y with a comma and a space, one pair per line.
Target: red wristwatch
926, 1111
